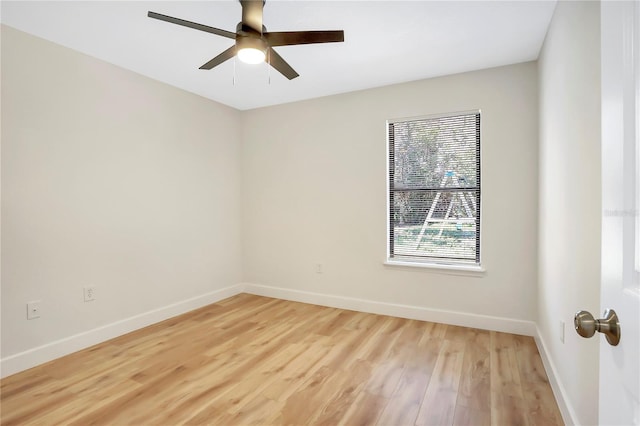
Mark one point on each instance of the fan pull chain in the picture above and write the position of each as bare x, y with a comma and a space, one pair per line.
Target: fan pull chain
234, 70
269, 68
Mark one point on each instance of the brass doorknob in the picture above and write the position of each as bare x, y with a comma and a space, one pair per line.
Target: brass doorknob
586, 325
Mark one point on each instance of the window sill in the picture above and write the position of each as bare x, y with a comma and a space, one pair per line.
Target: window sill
472, 270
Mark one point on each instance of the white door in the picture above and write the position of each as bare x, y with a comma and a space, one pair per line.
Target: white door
620, 288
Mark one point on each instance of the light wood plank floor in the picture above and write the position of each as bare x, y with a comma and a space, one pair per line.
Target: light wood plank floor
256, 360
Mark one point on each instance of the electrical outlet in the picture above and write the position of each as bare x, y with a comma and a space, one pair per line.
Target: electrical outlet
562, 331
33, 310
318, 268
89, 293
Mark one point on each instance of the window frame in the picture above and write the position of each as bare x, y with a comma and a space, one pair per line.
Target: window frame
452, 265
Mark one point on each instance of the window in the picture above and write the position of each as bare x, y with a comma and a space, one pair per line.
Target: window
434, 189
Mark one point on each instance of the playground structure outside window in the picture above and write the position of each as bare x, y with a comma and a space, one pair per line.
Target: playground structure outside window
434, 191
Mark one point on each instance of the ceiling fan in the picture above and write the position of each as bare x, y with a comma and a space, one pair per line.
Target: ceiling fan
253, 43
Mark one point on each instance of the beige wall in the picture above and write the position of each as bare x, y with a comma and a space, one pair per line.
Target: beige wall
314, 191
108, 179
570, 197
114, 180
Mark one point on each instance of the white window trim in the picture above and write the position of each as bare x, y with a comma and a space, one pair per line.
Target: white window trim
470, 270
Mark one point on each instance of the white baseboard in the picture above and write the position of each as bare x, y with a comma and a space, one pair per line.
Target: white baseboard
485, 322
568, 414
36, 356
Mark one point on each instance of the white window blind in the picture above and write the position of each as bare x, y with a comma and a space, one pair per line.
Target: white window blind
434, 189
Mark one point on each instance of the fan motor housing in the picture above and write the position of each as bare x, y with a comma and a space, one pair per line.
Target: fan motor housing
244, 28
247, 37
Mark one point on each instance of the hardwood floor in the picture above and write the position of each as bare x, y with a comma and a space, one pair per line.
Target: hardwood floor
255, 360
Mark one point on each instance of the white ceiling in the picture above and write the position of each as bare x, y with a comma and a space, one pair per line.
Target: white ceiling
386, 42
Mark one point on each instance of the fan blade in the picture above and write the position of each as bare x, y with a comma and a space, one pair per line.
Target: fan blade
227, 54
303, 37
252, 13
281, 65
190, 24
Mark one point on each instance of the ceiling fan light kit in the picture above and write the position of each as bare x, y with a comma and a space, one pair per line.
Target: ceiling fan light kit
251, 50
251, 55
253, 44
